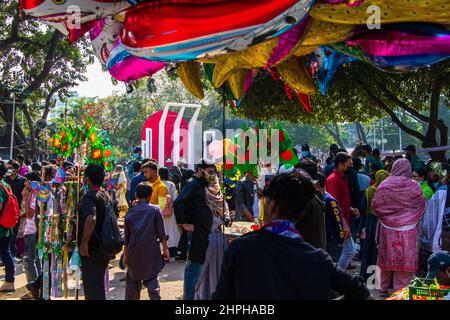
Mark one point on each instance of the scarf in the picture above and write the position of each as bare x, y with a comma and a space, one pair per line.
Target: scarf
215, 199
399, 200
380, 176
283, 228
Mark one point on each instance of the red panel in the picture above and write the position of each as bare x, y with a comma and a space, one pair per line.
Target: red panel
153, 123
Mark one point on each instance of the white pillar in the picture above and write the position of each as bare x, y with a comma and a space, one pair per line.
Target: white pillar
162, 137
176, 136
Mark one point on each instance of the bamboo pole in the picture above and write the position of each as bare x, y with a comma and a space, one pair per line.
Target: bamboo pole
78, 183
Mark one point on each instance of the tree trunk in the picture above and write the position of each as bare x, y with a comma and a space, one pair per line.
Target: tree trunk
360, 131
336, 134
435, 123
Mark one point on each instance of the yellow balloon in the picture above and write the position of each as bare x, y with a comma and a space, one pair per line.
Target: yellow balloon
322, 32
189, 73
250, 58
391, 11
293, 72
304, 50
237, 83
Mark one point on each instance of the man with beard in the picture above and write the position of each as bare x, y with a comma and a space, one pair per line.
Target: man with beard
338, 186
411, 155
195, 217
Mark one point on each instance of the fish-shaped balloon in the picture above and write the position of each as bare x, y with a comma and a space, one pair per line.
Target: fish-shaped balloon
191, 29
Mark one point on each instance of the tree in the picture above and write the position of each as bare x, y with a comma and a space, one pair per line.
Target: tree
360, 92
36, 62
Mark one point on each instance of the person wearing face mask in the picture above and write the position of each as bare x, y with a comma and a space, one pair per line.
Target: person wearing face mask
275, 262
306, 153
195, 217
338, 186
217, 243
421, 176
5, 238
17, 183
137, 156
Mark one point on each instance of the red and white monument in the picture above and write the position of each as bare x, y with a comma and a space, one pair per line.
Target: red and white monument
168, 137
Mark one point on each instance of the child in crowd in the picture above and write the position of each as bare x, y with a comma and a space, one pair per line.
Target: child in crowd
144, 231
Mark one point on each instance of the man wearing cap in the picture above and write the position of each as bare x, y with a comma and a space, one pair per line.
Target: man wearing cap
439, 268
416, 163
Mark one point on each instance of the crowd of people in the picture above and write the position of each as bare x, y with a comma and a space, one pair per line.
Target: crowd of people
392, 214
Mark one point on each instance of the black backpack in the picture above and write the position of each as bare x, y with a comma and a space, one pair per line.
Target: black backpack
109, 237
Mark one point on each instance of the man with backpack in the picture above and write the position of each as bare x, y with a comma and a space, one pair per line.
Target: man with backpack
6, 233
96, 208
17, 183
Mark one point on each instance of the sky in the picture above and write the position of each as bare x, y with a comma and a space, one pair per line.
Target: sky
99, 83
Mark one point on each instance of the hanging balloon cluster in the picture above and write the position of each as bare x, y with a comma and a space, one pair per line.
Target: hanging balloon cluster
243, 153
234, 39
70, 137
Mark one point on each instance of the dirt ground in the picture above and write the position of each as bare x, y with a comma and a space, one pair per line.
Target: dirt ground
170, 279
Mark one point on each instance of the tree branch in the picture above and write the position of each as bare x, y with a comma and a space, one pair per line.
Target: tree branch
335, 134
401, 103
5, 44
390, 112
49, 61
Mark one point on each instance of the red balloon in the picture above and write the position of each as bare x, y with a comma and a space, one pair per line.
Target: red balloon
281, 136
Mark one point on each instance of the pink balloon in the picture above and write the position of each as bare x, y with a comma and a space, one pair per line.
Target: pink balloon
215, 149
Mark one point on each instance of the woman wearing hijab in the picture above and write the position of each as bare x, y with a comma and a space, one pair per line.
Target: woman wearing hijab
399, 204
369, 249
121, 191
209, 277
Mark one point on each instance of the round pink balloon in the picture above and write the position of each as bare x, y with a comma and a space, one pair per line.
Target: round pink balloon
215, 149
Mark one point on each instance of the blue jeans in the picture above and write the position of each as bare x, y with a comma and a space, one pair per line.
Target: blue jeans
6, 256
31, 261
191, 275
348, 253
12, 244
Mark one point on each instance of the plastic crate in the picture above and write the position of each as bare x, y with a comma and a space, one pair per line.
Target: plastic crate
426, 293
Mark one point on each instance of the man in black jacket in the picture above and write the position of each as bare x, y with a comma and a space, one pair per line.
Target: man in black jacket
195, 217
275, 262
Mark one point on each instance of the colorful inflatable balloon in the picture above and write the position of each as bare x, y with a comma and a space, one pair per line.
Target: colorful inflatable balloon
63, 12
125, 67
179, 31
104, 36
400, 47
233, 39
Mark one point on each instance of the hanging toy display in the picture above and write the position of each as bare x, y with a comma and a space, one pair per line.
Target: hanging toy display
68, 138
57, 201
